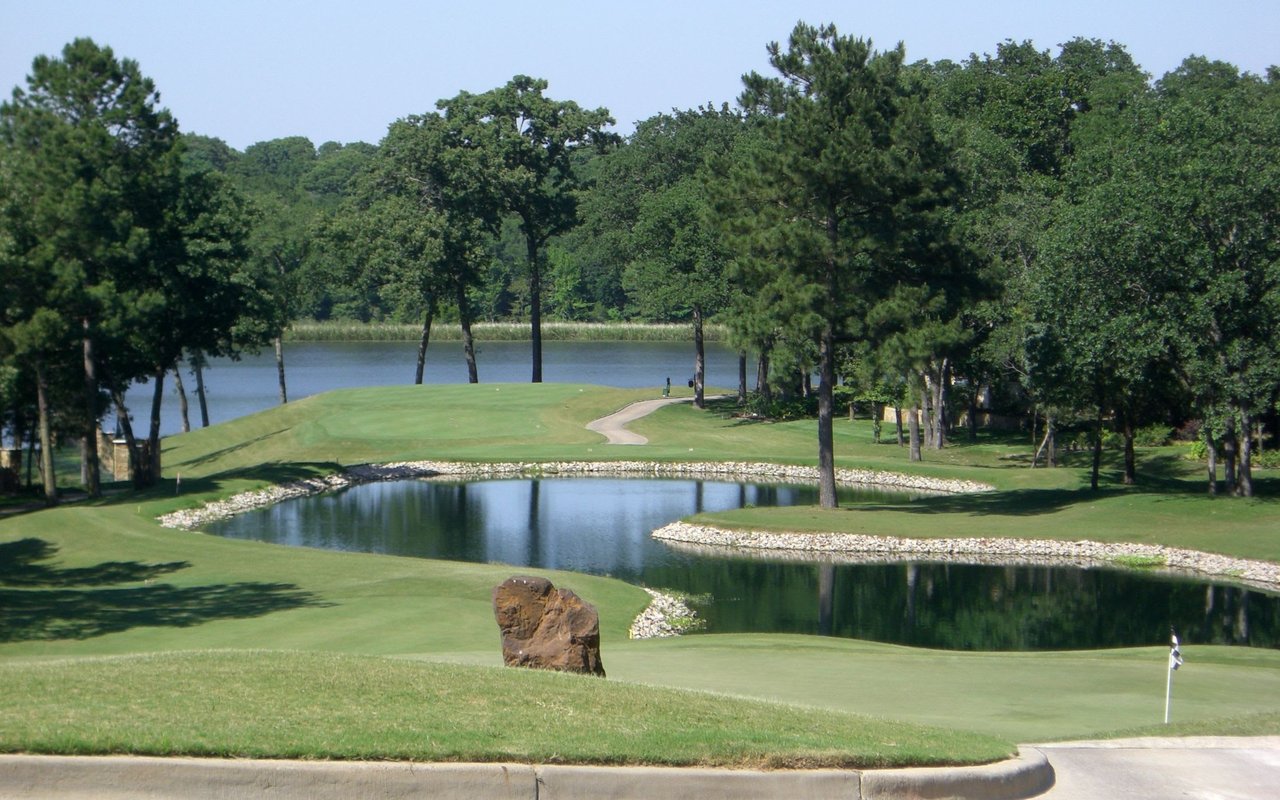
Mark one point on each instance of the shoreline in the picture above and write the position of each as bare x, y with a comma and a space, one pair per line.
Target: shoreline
190, 519
670, 616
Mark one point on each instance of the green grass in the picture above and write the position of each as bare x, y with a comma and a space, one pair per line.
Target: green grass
96, 596
352, 331
359, 707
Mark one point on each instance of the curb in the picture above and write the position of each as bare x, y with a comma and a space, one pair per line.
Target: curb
29, 777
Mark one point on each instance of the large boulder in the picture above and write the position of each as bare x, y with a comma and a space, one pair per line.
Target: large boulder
546, 628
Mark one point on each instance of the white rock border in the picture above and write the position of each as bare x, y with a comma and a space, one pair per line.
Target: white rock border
190, 519
860, 548
838, 547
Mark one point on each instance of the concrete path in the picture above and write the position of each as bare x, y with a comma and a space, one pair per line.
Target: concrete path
1206, 768
614, 426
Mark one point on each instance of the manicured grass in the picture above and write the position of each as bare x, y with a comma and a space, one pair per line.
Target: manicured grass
91, 580
1030, 696
308, 705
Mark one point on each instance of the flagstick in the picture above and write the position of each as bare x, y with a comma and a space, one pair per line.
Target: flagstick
1175, 661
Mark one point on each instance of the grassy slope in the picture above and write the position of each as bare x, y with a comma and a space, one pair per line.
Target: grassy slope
229, 594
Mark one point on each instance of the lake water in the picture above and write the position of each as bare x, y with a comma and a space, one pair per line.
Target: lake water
236, 388
602, 526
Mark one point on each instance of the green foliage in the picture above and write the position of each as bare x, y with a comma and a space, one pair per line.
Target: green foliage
1156, 435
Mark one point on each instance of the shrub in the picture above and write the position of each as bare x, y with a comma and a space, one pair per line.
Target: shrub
1152, 436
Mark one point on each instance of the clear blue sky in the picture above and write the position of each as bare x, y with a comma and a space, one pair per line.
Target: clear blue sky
251, 70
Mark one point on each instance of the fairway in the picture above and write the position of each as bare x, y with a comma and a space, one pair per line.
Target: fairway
145, 621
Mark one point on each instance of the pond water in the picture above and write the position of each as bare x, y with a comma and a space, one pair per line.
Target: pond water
236, 388
602, 526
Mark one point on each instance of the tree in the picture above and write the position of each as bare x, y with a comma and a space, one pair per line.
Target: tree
1216, 192
433, 162
528, 141
677, 265
94, 168
837, 200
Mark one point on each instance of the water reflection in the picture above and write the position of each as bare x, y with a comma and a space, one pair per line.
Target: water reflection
602, 526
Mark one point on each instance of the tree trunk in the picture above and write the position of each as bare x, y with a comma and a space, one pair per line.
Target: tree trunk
153, 435
279, 344
92, 474
468, 342
126, 429
1097, 452
936, 397
877, 419
699, 359
1130, 460
182, 398
46, 436
826, 427
197, 365
1244, 475
1229, 453
423, 341
742, 378
535, 305
1211, 455
762, 377
897, 420
973, 414
1050, 438
31, 455
913, 428
1046, 443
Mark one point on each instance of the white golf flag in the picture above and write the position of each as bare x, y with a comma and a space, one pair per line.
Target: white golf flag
1175, 654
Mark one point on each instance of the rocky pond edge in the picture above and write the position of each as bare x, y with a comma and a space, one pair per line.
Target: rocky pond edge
668, 615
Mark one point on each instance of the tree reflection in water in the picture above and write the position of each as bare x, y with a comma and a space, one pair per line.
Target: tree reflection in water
602, 526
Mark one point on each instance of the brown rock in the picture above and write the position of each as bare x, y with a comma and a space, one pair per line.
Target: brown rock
546, 628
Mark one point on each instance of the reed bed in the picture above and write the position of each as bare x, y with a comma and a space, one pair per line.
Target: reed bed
349, 331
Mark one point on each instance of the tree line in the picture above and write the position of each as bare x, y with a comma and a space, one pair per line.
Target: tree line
1096, 247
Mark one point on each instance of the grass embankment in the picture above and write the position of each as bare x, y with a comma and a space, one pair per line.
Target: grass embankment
348, 331
358, 707
87, 589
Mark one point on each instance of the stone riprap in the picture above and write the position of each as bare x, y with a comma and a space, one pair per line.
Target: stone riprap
665, 616
858, 548
190, 519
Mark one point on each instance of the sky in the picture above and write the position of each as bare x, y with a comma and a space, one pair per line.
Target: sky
336, 70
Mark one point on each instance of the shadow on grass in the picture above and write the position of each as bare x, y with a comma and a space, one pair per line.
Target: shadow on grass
274, 473
1009, 503
42, 607
214, 455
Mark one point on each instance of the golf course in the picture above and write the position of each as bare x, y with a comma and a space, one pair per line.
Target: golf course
118, 635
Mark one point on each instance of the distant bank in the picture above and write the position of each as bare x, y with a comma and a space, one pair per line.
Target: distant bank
350, 331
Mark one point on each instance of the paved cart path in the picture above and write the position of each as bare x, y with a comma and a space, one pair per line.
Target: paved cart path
614, 426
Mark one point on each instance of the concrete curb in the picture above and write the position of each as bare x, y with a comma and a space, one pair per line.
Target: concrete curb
28, 777
1028, 775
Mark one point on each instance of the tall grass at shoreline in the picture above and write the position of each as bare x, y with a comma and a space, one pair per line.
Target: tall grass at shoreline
350, 331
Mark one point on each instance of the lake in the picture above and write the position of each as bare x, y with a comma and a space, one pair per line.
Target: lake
602, 526
236, 388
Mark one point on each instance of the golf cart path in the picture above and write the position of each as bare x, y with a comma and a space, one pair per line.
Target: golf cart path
614, 426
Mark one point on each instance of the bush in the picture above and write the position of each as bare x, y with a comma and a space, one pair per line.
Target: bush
1197, 451
1152, 436
779, 409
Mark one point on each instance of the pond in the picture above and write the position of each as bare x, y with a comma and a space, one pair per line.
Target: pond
601, 526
